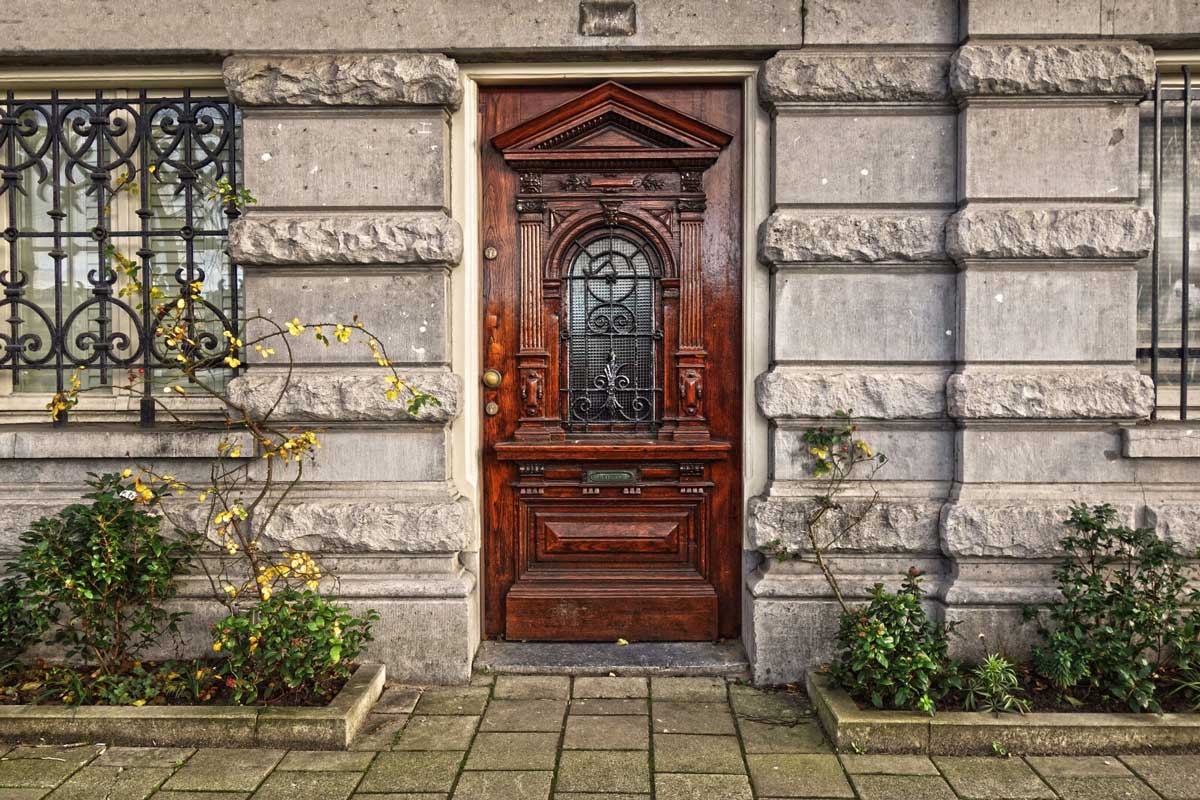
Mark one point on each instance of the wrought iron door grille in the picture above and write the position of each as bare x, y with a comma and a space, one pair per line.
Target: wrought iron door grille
88, 183
1168, 312
611, 334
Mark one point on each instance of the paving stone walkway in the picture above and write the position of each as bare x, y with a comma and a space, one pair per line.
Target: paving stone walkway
543, 737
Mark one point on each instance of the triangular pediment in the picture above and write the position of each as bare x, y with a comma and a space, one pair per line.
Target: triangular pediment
611, 123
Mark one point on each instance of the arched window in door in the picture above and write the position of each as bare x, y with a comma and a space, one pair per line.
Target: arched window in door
611, 332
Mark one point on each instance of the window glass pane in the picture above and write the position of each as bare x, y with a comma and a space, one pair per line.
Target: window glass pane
612, 331
1170, 253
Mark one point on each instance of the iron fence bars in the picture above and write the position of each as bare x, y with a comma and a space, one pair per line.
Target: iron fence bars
112, 207
1167, 346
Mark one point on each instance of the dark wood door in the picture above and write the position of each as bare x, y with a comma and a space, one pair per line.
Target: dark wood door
611, 236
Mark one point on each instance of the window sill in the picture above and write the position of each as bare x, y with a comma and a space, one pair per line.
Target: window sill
1162, 440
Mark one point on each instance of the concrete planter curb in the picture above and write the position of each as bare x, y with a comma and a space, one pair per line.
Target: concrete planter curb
852, 729
331, 727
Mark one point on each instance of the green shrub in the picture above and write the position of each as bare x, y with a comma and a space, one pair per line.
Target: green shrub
95, 576
18, 627
1122, 622
993, 686
295, 646
892, 655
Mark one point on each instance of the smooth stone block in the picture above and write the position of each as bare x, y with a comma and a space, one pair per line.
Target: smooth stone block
853, 157
881, 317
347, 159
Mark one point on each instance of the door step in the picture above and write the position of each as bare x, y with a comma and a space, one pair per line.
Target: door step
726, 659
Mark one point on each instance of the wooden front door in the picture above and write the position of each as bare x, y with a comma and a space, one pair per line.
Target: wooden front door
611, 237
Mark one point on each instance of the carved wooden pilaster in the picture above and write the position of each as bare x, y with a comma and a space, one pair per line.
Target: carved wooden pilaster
532, 357
690, 358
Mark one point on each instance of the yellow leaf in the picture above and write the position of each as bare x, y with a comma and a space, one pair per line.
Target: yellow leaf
622, 642
139, 702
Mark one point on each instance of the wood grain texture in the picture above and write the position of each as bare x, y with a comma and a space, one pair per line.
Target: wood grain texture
632, 533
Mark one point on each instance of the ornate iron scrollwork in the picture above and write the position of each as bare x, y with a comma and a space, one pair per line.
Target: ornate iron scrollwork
65, 164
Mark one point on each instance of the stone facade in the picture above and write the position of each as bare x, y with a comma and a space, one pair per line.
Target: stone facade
950, 245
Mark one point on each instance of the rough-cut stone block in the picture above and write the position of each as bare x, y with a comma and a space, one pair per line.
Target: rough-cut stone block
419, 525
883, 316
1162, 441
1008, 529
391, 158
804, 237
414, 238
852, 22
343, 79
1031, 17
851, 157
405, 309
1011, 232
324, 395
1076, 68
834, 78
1049, 314
893, 525
802, 392
1177, 522
1049, 151
1050, 394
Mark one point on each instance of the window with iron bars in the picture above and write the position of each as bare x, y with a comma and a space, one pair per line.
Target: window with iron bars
1169, 281
110, 206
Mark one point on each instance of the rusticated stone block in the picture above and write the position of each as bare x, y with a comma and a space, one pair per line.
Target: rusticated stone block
801, 393
419, 525
1077, 68
799, 236
1178, 523
1057, 394
815, 77
380, 238
343, 79
1008, 232
343, 395
1009, 530
891, 526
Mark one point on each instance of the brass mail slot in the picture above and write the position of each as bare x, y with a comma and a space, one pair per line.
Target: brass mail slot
610, 476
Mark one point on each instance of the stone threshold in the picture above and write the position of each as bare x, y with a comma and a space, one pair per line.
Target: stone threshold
951, 733
330, 727
726, 659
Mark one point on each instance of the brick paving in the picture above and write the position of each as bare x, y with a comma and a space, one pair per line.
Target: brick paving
554, 738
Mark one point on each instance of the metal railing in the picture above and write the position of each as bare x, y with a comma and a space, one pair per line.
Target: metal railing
1169, 343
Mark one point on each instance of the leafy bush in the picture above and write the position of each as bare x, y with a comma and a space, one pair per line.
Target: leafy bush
1122, 622
295, 646
892, 655
18, 628
97, 575
993, 686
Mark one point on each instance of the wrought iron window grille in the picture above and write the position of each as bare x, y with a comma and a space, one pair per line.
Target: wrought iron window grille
612, 333
86, 183
1169, 314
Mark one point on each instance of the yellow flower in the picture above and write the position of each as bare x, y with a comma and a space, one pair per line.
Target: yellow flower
125, 473
294, 327
233, 363
819, 452
217, 646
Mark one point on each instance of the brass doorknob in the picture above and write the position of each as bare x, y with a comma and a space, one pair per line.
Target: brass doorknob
492, 378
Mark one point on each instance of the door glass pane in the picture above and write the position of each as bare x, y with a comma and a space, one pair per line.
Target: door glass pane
611, 333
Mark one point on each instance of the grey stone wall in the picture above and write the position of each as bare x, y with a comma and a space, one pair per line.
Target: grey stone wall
348, 156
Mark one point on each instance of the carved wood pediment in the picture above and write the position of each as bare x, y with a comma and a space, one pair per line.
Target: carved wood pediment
611, 126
